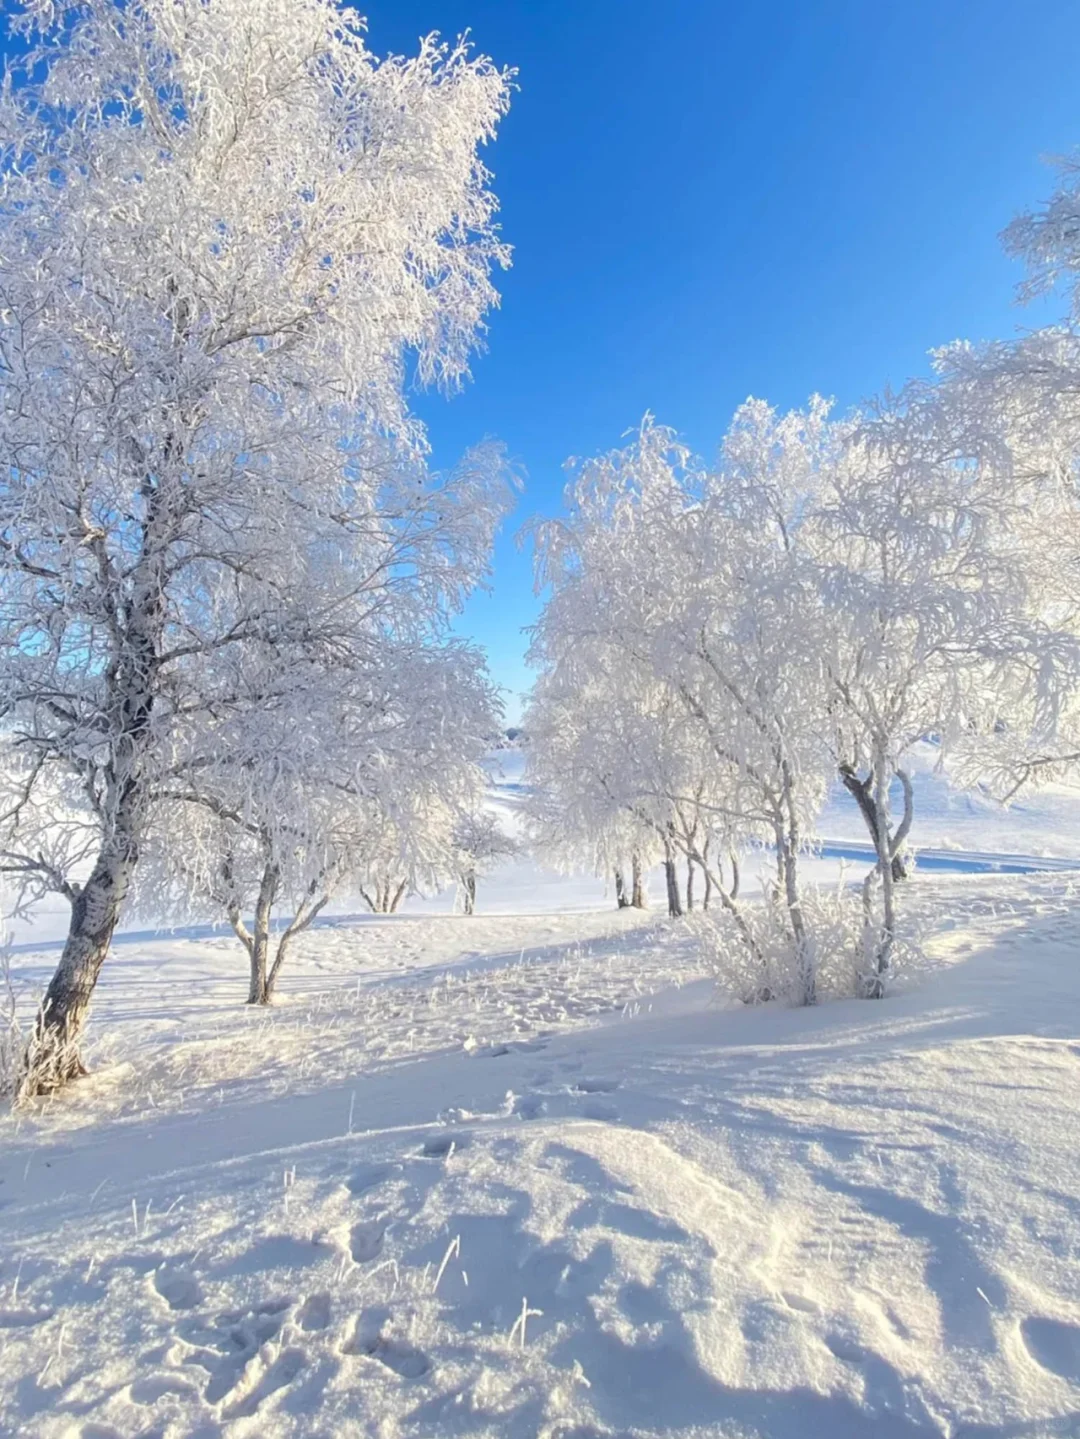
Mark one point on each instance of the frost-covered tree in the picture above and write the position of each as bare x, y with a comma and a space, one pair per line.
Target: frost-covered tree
1018, 401
480, 843
688, 592
229, 233
332, 775
935, 629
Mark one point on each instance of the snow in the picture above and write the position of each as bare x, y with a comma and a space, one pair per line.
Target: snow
522, 1175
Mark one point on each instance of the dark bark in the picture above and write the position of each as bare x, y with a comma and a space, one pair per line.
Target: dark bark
54, 1059
862, 792
689, 886
130, 696
468, 884
385, 897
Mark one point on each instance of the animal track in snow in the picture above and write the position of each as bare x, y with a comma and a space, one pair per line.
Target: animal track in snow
1055, 1345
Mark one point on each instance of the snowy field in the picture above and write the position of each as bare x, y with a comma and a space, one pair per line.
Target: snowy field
522, 1175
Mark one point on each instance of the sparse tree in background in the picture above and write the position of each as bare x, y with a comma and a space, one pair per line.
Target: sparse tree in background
480, 843
290, 801
228, 232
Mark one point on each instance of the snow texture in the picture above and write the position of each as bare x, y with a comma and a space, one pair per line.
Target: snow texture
521, 1174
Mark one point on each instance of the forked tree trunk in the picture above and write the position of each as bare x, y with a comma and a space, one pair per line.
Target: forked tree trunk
257, 940
386, 896
637, 891
264, 975
862, 792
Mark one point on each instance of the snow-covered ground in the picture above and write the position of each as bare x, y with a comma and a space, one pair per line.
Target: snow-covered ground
520, 1175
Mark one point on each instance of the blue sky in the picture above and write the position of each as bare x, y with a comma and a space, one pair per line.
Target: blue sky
709, 200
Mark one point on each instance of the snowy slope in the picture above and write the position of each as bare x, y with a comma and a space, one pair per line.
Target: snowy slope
861, 1220
520, 1175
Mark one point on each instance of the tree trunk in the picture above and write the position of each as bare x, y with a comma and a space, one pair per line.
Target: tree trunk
260, 989
622, 900
637, 892
887, 933
129, 696
861, 790
257, 988
54, 1059
468, 883
671, 876
788, 843
689, 886
706, 898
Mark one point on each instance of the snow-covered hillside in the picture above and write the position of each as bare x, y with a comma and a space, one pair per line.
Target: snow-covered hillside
521, 1174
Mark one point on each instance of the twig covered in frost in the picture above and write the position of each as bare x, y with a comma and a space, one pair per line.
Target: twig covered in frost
452, 1249
518, 1327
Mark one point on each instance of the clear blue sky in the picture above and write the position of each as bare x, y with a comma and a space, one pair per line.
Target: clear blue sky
711, 199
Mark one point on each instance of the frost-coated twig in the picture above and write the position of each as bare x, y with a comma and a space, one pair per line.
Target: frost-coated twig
452, 1249
518, 1328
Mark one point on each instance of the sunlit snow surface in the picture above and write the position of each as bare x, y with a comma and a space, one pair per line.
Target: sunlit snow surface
517, 1175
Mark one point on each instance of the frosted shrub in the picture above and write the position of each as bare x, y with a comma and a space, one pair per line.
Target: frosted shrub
761, 963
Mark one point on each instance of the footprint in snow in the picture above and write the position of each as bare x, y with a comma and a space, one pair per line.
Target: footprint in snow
1055, 1345
800, 1303
366, 1241
178, 1289
282, 1371
596, 1086
442, 1144
369, 1176
153, 1387
314, 1313
402, 1358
